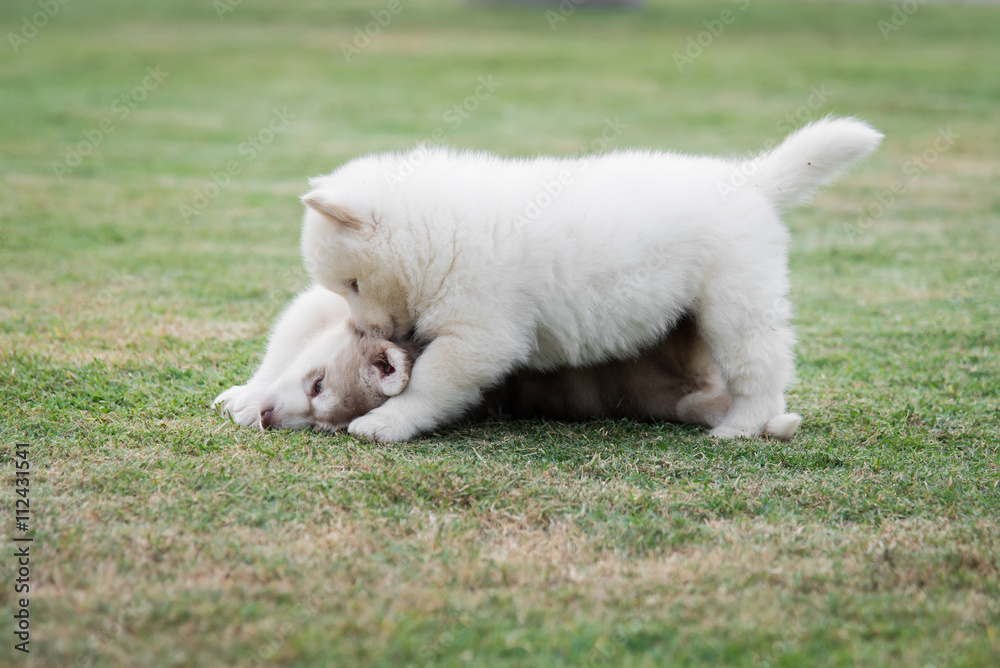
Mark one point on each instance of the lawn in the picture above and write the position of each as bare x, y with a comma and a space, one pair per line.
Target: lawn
152, 159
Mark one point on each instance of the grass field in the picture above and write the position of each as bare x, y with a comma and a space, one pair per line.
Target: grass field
151, 164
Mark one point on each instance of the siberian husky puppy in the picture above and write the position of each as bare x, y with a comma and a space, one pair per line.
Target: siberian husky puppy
321, 372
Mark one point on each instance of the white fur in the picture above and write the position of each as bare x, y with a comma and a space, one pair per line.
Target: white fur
287, 397
466, 253
314, 312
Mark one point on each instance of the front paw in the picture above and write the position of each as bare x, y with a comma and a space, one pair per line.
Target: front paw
383, 426
241, 403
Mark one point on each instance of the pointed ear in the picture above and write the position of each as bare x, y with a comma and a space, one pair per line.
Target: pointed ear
320, 201
392, 368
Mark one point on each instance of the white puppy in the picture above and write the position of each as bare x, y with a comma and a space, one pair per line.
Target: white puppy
498, 264
313, 313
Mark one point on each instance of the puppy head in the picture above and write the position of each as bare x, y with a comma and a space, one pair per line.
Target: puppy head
342, 250
341, 375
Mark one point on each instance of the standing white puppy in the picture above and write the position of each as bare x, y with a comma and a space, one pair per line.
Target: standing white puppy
500, 264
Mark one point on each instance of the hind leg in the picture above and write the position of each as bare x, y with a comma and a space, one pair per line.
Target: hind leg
750, 338
705, 407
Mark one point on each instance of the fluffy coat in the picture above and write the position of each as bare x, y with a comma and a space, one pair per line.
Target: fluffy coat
498, 264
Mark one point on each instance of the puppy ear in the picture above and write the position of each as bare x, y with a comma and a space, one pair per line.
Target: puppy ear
321, 201
392, 368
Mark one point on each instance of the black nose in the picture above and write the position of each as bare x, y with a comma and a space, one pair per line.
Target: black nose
266, 415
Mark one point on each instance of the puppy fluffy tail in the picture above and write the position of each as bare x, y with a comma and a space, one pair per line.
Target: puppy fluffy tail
810, 157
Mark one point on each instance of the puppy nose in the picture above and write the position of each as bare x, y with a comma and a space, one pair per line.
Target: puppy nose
266, 417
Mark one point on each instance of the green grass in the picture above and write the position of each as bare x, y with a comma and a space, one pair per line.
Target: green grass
165, 536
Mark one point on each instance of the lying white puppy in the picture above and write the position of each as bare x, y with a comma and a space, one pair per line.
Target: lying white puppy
313, 312
497, 264
320, 372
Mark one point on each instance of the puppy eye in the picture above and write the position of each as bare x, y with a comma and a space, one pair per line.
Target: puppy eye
354, 286
317, 388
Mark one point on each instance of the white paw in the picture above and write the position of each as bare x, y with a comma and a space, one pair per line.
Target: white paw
732, 432
384, 426
782, 427
241, 403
